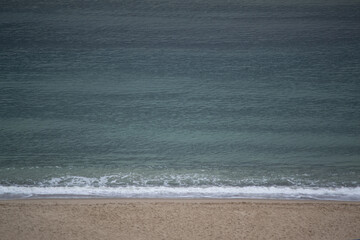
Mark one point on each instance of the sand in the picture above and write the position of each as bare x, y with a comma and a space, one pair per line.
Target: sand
178, 219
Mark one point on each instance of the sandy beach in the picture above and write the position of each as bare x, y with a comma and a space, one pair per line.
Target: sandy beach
178, 219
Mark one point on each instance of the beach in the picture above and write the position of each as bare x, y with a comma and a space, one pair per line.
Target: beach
178, 219
165, 119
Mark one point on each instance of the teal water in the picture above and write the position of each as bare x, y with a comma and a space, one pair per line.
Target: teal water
188, 99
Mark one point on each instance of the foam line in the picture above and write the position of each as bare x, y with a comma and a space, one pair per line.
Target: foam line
350, 194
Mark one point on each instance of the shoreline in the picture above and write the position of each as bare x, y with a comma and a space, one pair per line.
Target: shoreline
209, 192
176, 199
165, 218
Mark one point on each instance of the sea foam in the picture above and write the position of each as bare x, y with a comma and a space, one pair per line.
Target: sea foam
343, 193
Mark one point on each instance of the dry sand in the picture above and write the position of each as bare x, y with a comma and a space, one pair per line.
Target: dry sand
178, 219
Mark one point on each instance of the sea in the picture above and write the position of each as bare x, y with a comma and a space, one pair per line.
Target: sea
180, 99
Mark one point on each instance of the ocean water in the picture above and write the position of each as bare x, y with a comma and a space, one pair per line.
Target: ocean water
180, 99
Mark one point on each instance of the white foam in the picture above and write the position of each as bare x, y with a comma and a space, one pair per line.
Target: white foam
350, 194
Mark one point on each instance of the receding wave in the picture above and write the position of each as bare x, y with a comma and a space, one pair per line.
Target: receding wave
177, 185
343, 193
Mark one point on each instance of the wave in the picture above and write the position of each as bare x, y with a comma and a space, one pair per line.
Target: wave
342, 193
173, 179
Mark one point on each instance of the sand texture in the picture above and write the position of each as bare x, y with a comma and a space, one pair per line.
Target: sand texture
178, 219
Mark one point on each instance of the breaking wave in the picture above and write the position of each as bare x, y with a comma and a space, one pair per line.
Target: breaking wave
343, 193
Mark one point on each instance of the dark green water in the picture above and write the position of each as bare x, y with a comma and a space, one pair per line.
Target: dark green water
180, 99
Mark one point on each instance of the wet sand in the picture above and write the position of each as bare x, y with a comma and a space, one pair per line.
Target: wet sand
178, 219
